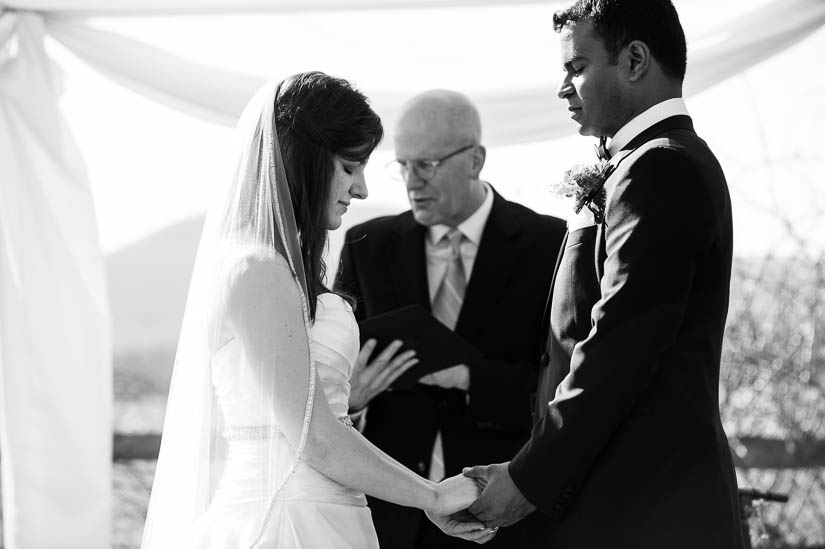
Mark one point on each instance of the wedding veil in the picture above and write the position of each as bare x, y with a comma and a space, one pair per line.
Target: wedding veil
254, 219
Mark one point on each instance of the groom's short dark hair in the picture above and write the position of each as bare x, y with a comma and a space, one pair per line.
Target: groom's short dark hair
619, 22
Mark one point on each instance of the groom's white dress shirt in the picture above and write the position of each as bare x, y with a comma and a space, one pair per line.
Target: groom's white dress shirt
644, 120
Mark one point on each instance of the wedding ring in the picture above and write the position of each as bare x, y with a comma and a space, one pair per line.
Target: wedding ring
493, 530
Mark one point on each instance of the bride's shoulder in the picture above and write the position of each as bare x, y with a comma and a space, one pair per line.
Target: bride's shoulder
241, 258
248, 267
334, 302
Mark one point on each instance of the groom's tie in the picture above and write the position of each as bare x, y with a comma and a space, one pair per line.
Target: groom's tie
602, 152
446, 307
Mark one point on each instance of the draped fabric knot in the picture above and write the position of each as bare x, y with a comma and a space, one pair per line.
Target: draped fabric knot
8, 36
8, 23
28, 75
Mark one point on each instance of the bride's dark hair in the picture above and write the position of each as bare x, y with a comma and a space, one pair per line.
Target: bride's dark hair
318, 117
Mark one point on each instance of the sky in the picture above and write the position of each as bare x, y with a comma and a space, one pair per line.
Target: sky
150, 166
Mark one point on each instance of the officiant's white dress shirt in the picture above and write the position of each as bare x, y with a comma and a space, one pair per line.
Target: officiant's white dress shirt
438, 259
472, 228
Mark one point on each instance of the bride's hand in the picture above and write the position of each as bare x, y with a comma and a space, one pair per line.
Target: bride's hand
455, 494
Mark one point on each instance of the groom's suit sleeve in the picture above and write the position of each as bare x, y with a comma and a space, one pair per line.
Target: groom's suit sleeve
660, 215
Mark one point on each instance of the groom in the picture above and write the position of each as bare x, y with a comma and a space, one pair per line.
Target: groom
628, 449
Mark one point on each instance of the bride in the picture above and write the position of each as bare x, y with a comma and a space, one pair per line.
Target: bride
257, 449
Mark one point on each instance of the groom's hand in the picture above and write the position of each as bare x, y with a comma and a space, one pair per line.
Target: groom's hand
463, 525
501, 503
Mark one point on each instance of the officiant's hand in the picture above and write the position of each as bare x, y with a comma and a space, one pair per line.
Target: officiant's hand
454, 377
370, 378
501, 503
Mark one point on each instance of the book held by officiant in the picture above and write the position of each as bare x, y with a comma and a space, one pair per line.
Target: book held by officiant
436, 346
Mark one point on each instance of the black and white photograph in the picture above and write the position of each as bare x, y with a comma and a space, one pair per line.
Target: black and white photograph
412, 274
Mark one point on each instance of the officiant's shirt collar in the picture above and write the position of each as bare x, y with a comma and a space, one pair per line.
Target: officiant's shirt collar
473, 226
653, 115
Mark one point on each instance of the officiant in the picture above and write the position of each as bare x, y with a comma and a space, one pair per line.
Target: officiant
481, 265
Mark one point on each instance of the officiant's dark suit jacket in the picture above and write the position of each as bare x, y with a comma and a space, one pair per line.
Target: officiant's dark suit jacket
628, 450
384, 268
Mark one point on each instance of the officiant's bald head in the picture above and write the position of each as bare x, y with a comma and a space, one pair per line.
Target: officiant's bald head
444, 114
438, 148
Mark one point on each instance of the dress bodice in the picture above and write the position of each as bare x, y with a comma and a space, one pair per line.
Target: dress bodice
334, 346
259, 455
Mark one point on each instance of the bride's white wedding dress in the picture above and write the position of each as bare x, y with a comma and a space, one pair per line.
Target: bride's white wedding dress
248, 354
311, 510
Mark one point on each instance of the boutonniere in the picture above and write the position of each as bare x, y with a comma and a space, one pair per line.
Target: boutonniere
585, 184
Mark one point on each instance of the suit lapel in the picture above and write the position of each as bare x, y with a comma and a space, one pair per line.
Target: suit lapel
409, 266
493, 266
678, 122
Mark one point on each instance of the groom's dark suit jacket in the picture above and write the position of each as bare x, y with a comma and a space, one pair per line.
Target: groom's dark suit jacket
384, 268
628, 450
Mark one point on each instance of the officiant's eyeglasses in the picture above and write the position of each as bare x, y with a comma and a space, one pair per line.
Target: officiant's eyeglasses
423, 167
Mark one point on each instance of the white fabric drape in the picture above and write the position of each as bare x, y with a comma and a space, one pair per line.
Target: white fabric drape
55, 367
735, 46
518, 116
85, 8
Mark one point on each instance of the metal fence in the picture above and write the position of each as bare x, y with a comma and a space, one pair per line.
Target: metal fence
772, 388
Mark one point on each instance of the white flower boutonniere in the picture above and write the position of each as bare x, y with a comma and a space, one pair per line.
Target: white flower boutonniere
585, 183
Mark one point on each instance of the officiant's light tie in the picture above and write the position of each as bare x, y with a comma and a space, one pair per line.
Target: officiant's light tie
450, 295
446, 308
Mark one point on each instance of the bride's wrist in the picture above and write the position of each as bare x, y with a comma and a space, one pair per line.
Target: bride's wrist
434, 497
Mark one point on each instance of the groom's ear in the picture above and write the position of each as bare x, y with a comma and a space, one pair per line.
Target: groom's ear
637, 59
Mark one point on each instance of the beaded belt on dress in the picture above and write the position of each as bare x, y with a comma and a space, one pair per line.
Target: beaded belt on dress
263, 432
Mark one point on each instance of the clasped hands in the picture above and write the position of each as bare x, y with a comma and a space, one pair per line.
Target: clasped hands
476, 510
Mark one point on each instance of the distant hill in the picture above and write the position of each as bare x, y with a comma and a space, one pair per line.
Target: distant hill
148, 281
148, 284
